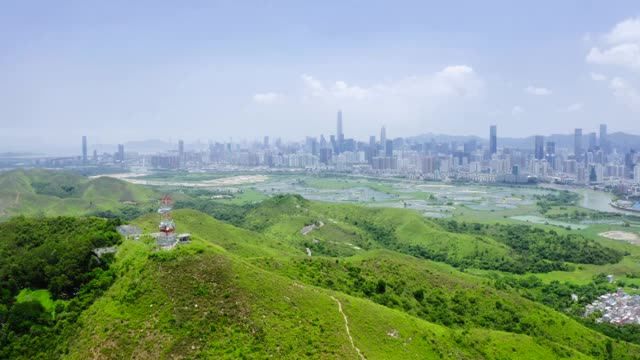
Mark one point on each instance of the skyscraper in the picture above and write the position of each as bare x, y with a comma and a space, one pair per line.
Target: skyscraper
577, 144
84, 149
339, 133
383, 137
373, 149
539, 150
593, 142
551, 147
551, 154
388, 148
604, 141
493, 139
121, 153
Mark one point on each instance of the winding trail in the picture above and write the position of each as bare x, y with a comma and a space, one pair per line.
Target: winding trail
346, 324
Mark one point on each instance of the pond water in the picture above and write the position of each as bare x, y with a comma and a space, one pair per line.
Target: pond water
437, 215
540, 220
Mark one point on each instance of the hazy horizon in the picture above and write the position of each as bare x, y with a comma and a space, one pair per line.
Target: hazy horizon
119, 72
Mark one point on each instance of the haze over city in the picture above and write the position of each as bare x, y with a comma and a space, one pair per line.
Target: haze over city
205, 71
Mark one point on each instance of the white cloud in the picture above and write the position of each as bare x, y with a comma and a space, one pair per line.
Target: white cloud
313, 86
626, 55
343, 90
451, 81
268, 98
598, 77
539, 91
624, 32
625, 91
517, 110
620, 46
574, 107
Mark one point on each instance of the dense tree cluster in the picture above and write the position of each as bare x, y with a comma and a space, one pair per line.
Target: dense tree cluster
541, 250
233, 214
558, 198
53, 254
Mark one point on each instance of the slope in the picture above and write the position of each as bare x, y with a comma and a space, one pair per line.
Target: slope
202, 301
51, 193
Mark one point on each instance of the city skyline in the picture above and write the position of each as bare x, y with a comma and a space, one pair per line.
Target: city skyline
280, 70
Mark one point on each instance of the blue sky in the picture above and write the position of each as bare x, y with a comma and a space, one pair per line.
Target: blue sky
118, 71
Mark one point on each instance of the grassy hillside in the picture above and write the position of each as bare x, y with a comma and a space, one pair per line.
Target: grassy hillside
380, 283
204, 301
49, 193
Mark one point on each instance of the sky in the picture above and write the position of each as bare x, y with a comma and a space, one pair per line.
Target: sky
118, 70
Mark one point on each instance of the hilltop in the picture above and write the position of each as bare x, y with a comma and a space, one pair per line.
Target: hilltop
50, 193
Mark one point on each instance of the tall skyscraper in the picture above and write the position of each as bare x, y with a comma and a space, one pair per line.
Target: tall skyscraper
493, 139
121, 153
551, 154
539, 150
604, 141
388, 148
372, 151
339, 133
383, 137
577, 144
84, 148
551, 147
593, 141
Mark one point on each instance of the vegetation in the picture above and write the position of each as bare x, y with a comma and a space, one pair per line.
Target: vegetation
558, 198
49, 193
54, 255
541, 250
245, 286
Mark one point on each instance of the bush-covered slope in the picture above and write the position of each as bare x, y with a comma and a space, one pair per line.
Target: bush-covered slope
201, 301
368, 291
51, 193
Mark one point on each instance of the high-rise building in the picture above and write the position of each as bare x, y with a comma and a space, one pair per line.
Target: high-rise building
493, 139
604, 141
383, 137
593, 142
551, 154
120, 153
577, 144
388, 148
84, 149
373, 149
551, 147
539, 150
339, 133
265, 142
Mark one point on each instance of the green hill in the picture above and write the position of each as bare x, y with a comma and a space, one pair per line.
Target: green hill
379, 284
51, 193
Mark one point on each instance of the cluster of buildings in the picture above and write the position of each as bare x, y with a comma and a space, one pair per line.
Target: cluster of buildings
591, 159
616, 308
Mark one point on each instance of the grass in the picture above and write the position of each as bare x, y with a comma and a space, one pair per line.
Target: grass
41, 296
252, 292
41, 193
211, 299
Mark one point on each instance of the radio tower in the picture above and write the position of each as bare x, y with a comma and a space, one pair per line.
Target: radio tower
167, 225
